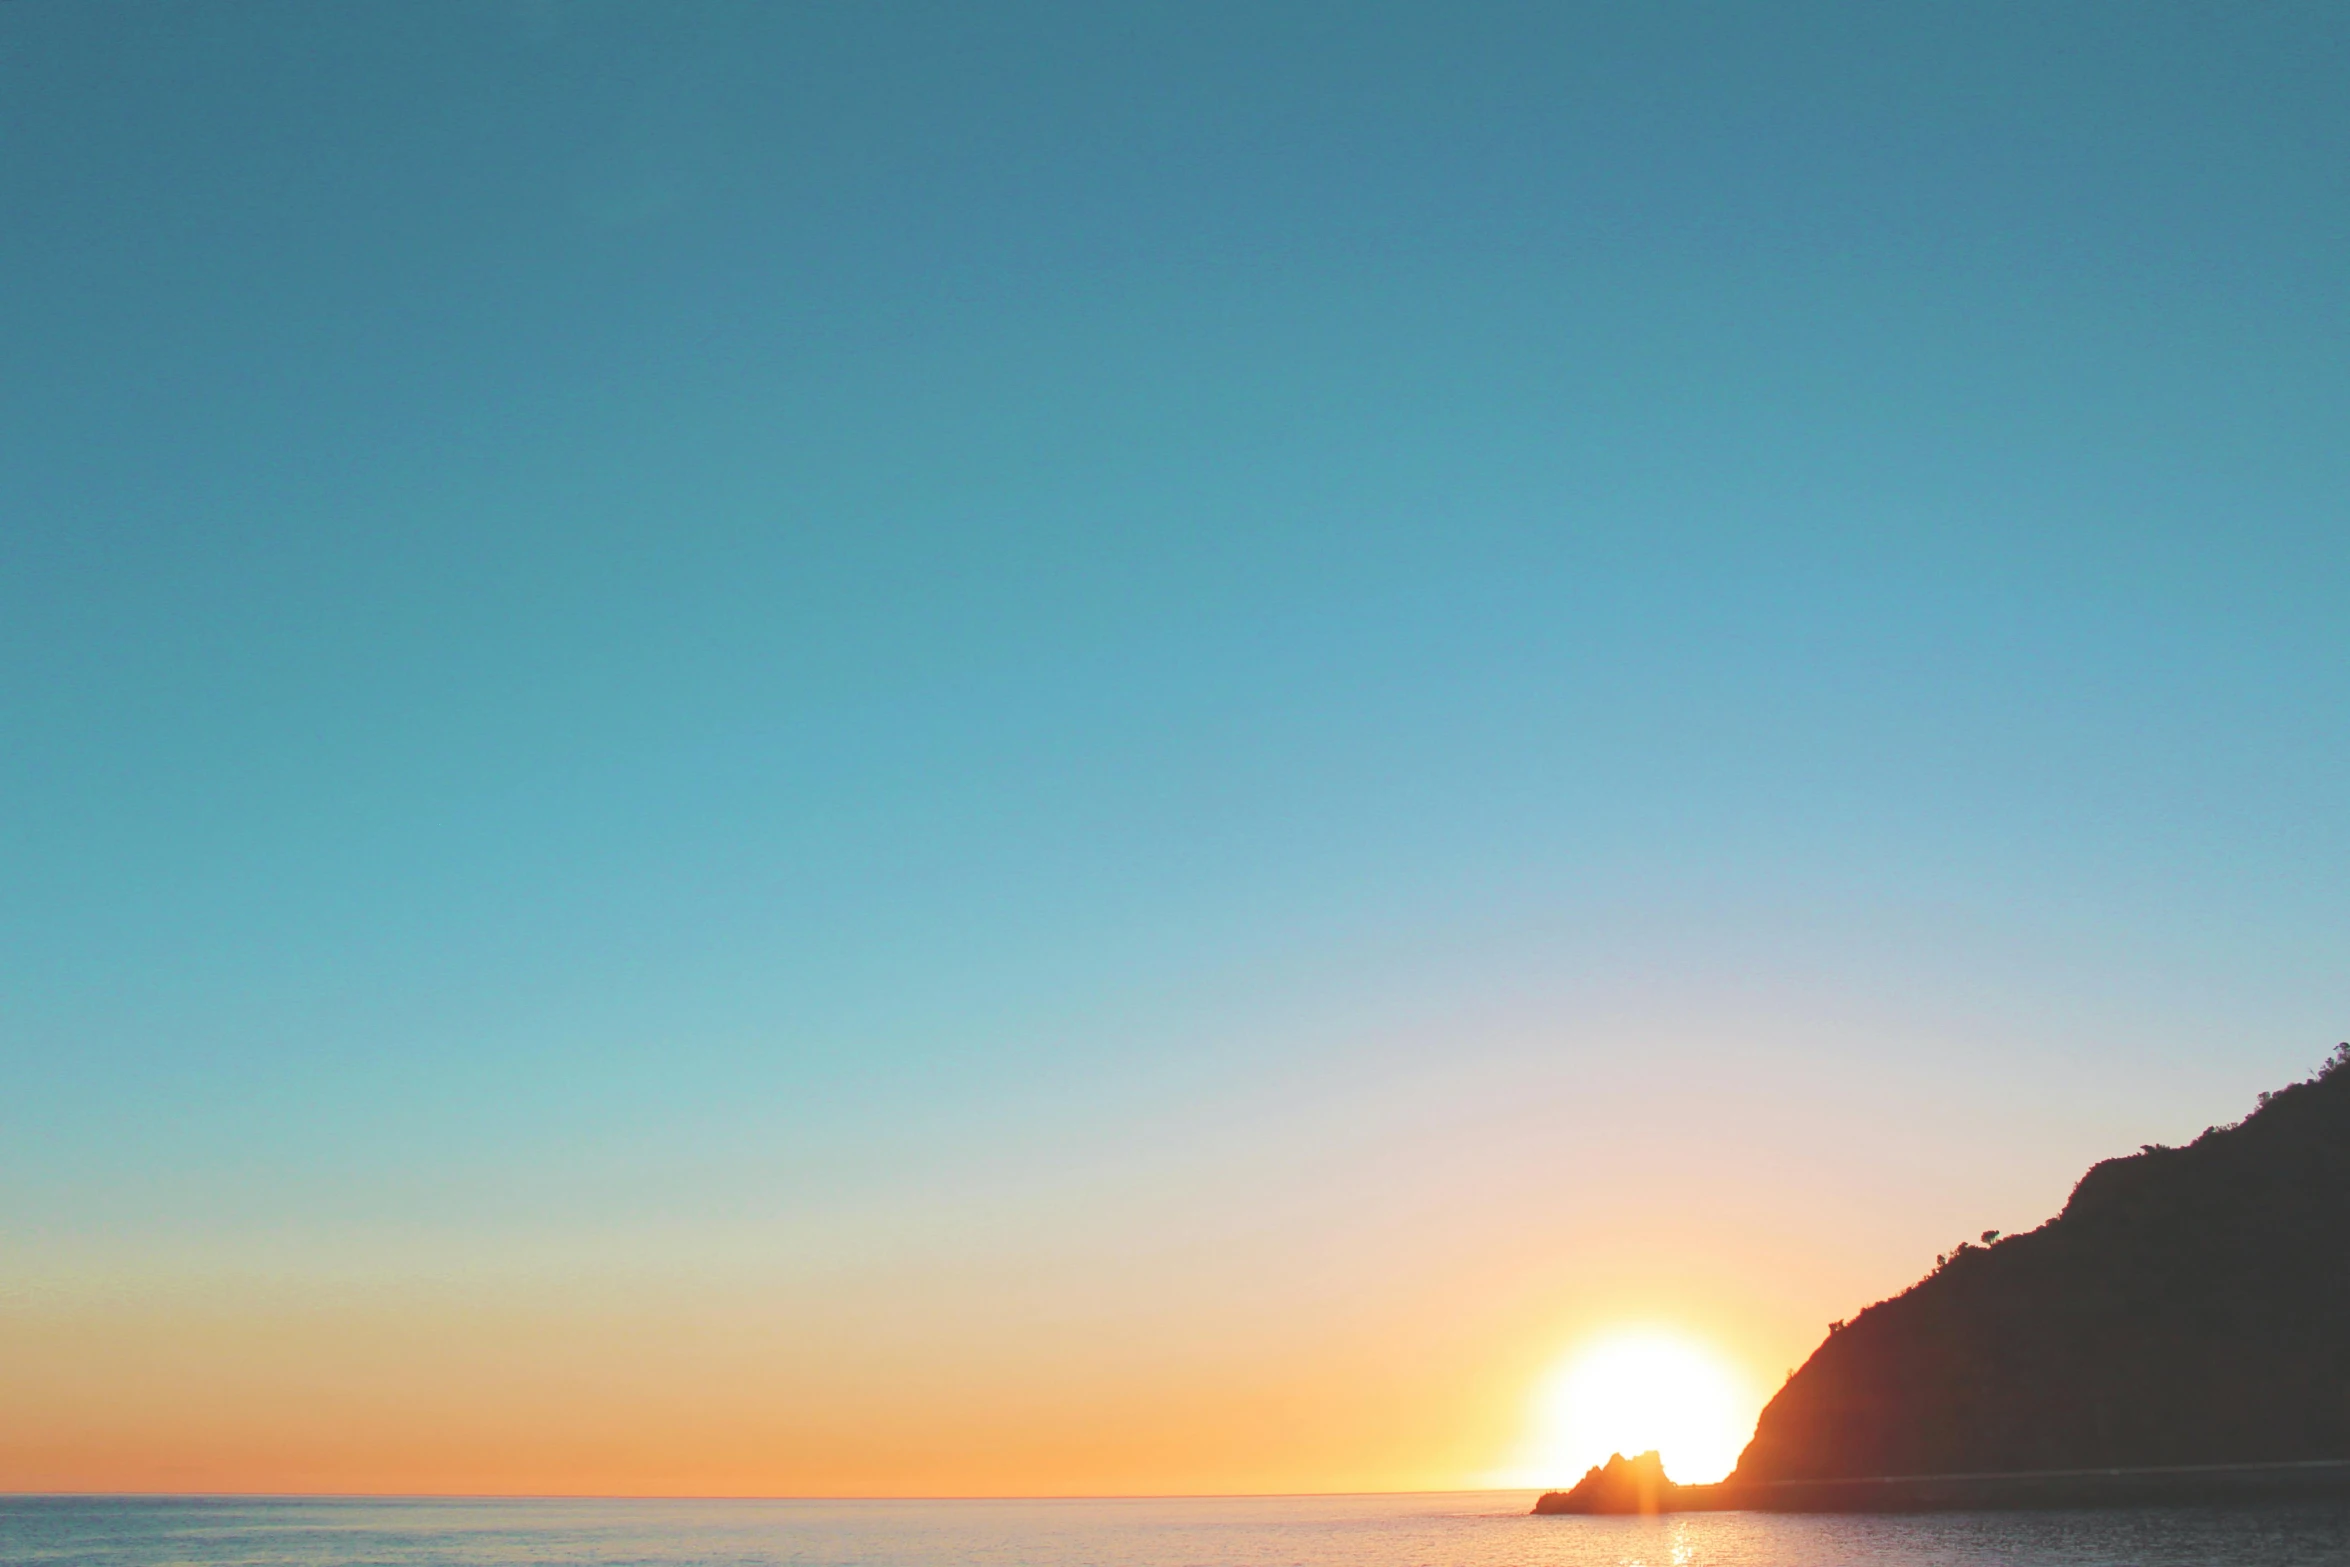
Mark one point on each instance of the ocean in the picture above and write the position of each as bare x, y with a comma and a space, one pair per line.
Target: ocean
1474, 1529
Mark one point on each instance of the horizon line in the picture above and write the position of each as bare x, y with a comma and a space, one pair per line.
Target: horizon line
699, 1496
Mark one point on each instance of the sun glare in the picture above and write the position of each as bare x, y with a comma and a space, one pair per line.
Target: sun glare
1635, 1390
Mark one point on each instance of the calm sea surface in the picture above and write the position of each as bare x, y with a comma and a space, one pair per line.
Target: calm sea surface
1463, 1530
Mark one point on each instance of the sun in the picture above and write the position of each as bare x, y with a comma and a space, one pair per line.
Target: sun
1635, 1389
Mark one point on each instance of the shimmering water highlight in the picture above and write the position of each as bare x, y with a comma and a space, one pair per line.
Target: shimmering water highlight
1479, 1529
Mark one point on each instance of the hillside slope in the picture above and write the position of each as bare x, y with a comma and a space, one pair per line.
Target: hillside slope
2189, 1306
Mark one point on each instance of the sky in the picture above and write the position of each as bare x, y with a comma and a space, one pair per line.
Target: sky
937, 750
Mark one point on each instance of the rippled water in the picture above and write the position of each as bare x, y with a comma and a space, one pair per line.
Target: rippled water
1481, 1529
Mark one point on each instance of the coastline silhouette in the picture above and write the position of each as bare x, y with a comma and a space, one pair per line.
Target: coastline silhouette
2180, 1331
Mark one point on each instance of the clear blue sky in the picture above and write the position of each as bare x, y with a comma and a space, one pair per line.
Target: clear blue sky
626, 616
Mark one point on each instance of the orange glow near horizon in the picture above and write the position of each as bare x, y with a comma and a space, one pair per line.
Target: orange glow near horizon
1633, 1390
1137, 1337
727, 1398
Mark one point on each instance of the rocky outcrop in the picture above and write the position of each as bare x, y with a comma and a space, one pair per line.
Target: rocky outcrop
1621, 1485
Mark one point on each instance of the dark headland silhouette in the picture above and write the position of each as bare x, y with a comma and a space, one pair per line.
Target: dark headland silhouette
2180, 1331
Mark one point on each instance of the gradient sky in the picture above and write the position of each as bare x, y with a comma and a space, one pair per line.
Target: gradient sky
1120, 748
